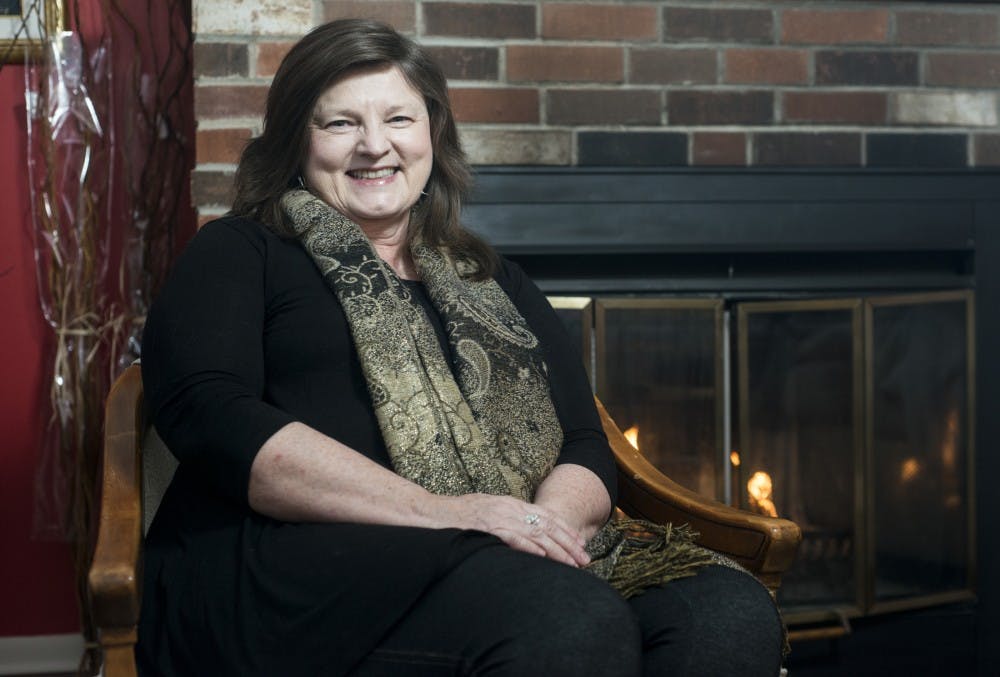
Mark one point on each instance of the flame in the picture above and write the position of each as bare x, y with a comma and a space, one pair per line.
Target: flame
632, 435
949, 446
734, 458
909, 470
760, 489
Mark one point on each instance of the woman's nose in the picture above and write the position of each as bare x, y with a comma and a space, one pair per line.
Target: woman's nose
373, 140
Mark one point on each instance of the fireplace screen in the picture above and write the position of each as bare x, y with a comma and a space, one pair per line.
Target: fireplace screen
660, 375
799, 437
852, 417
920, 445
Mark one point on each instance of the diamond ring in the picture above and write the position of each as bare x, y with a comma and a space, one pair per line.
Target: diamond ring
531, 518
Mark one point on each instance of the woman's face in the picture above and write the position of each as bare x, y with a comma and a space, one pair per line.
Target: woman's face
370, 151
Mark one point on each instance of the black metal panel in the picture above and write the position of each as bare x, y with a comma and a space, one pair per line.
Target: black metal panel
636, 230
988, 432
724, 227
573, 209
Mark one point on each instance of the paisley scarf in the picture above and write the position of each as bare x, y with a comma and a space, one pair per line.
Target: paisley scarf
482, 420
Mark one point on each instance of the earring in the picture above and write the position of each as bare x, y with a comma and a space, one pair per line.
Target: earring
302, 184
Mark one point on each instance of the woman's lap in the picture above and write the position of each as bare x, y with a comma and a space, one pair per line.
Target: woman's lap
488, 610
503, 612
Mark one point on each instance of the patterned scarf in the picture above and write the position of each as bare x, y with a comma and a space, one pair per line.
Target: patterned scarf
489, 426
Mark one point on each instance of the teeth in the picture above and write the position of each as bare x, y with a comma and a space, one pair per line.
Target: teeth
372, 173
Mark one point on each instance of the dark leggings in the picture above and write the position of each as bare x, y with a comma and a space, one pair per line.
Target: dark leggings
503, 612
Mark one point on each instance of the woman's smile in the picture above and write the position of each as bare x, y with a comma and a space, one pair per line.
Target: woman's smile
372, 174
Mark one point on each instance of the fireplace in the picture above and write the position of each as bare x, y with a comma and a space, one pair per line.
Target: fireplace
795, 343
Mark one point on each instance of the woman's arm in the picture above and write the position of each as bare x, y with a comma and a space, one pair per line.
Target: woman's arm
582, 487
301, 475
578, 496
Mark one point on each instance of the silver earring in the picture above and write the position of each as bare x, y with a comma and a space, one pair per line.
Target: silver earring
302, 184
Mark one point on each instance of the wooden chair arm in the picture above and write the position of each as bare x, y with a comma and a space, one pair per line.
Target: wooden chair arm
764, 545
114, 571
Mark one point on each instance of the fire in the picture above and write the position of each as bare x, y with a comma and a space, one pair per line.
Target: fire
632, 435
734, 458
909, 470
761, 489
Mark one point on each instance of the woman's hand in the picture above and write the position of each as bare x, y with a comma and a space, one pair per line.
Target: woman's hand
523, 526
578, 496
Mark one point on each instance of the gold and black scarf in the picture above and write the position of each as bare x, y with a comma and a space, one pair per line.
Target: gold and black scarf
482, 421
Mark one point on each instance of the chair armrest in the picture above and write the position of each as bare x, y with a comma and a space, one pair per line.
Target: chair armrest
114, 571
764, 545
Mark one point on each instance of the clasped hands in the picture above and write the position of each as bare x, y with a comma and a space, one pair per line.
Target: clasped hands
524, 526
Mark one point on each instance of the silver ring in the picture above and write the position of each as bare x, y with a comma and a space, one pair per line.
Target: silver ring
531, 518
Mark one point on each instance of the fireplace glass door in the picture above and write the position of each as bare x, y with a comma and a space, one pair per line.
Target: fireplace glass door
920, 447
799, 443
660, 374
851, 417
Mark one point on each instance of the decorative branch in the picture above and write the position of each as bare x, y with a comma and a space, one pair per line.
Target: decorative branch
107, 206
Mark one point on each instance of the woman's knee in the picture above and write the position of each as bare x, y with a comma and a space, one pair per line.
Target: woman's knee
719, 622
569, 623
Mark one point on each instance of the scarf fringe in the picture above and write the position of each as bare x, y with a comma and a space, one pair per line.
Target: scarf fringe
645, 554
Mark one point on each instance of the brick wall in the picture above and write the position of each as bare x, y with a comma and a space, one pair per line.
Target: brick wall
668, 82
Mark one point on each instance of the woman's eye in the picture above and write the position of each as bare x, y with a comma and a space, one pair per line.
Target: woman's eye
337, 124
399, 119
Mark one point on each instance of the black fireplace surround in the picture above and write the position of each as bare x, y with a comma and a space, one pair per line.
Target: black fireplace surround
779, 233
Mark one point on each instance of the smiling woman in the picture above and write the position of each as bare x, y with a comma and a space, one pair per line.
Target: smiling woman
390, 460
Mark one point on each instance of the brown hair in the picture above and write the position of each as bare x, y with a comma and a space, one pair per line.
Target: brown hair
271, 163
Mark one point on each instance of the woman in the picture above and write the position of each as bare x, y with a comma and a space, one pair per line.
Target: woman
390, 462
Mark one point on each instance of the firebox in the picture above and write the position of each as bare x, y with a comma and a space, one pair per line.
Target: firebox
799, 344
851, 416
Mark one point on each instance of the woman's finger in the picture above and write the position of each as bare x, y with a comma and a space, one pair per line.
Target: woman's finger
559, 541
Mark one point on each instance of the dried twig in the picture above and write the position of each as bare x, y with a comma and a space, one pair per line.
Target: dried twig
106, 203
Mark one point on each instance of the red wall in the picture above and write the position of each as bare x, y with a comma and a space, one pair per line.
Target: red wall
36, 578
37, 590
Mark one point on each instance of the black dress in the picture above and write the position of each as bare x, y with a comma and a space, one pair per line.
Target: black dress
245, 338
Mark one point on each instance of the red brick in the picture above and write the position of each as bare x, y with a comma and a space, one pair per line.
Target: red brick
987, 150
220, 59
573, 21
467, 63
720, 108
220, 145
225, 102
718, 148
867, 67
947, 28
548, 63
718, 25
400, 14
834, 27
495, 105
631, 148
966, 69
487, 20
767, 66
603, 107
858, 108
212, 188
822, 149
269, 56
667, 65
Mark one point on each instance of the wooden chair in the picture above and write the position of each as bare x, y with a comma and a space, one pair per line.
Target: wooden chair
137, 468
